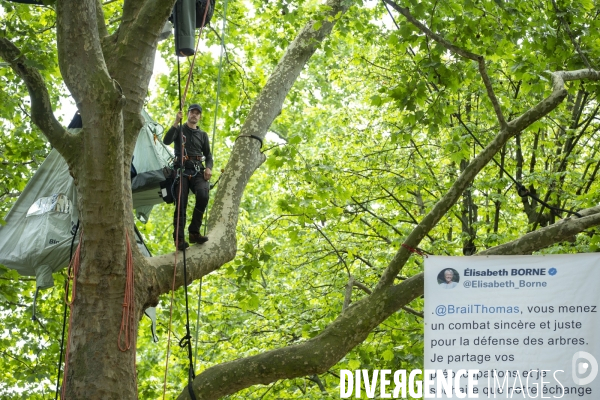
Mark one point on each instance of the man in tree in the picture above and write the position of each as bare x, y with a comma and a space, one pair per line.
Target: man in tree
194, 176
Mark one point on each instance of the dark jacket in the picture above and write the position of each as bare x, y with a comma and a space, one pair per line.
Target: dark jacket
196, 143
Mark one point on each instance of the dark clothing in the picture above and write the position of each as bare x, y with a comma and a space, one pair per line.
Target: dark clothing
199, 187
184, 22
187, 15
196, 145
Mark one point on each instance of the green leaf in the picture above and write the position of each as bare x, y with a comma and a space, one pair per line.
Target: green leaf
388, 355
375, 100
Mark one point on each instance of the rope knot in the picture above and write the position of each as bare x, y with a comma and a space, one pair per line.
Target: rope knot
185, 340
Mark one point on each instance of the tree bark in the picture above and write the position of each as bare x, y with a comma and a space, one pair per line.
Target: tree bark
317, 355
108, 77
108, 93
246, 157
314, 356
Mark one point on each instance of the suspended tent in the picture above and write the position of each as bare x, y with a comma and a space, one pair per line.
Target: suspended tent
36, 239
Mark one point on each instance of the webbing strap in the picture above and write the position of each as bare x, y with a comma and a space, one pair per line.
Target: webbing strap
253, 137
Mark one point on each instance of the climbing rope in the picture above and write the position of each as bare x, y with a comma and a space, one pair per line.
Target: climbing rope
128, 319
176, 251
62, 336
128, 325
72, 273
223, 23
197, 324
186, 339
191, 72
128, 315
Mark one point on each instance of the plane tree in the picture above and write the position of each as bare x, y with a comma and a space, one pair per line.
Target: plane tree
417, 108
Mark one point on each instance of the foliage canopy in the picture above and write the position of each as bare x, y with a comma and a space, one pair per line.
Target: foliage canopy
376, 130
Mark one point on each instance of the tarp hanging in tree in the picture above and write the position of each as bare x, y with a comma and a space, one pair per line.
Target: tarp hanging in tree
39, 227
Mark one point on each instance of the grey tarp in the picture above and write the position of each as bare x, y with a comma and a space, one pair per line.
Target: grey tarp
39, 228
37, 235
150, 157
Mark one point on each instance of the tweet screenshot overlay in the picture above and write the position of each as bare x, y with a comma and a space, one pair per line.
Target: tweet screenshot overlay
512, 327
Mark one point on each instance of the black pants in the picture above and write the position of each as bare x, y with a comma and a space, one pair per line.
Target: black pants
199, 187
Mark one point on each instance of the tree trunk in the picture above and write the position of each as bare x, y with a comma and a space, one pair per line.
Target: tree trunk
109, 84
100, 284
108, 77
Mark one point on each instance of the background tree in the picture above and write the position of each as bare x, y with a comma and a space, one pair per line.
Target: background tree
376, 144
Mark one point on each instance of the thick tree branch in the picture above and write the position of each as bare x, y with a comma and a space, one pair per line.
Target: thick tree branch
246, 158
536, 240
524, 245
512, 128
542, 238
137, 42
269, 102
149, 21
201, 261
353, 326
134, 50
315, 356
131, 8
41, 107
80, 57
556, 97
102, 32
